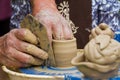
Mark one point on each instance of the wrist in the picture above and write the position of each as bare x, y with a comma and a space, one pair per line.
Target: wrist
38, 5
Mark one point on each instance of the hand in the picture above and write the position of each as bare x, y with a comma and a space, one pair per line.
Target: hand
46, 12
17, 49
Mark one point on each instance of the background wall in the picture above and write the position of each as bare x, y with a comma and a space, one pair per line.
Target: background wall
5, 13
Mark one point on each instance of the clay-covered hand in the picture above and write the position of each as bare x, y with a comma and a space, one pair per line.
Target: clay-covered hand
46, 12
17, 49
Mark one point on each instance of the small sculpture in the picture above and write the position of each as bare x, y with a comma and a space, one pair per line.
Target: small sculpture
101, 29
100, 57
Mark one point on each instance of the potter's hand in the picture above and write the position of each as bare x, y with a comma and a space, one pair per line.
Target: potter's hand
46, 12
17, 49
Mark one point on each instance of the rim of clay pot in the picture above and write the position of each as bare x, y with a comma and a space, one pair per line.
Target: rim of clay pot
69, 40
10, 72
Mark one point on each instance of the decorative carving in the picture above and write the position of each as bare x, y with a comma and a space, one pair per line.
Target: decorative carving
64, 10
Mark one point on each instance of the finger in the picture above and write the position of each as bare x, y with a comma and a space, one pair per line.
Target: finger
67, 31
24, 58
35, 51
32, 50
26, 35
24, 47
58, 31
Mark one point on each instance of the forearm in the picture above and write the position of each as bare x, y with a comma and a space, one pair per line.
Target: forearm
38, 5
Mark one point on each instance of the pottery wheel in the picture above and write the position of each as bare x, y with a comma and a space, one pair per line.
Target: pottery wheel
70, 73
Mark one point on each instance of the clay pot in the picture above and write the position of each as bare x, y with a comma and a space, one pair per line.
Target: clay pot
93, 70
64, 51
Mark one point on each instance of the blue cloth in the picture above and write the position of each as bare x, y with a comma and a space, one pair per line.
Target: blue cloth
107, 11
117, 36
20, 9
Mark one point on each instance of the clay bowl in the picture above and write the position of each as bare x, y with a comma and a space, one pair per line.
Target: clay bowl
15, 75
44, 73
93, 70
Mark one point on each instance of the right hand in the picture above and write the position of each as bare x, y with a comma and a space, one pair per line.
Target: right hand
17, 49
46, 12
